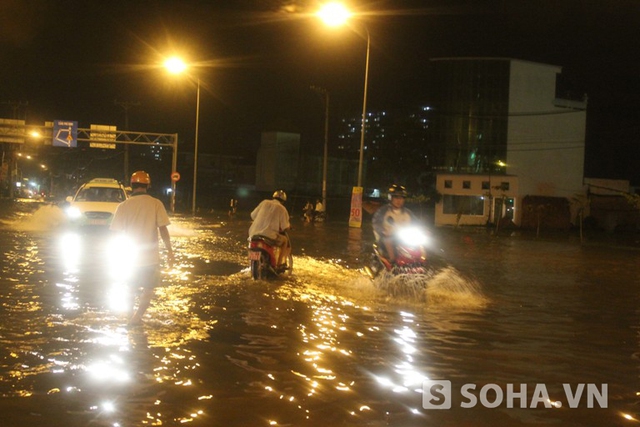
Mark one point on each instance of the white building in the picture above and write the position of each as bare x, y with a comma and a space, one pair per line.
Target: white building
509, 126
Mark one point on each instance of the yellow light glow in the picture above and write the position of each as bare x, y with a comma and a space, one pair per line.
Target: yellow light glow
334, 14
175, 65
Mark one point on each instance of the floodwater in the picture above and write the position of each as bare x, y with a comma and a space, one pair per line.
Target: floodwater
527, 331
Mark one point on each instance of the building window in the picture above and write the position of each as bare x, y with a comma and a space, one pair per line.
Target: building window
463, 205
485, 185
504, 186
448, 183
466, 184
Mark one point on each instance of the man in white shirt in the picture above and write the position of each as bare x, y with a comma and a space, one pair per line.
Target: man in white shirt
271, 219
140, 218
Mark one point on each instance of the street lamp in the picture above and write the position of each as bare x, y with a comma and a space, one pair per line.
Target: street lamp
364, 110
325, 95
334, 15
177, 66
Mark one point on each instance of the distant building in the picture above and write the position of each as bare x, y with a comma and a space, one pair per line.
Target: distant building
395, 145
281, 163
503, 120
608, 206
342, 175
475, 199
277, 162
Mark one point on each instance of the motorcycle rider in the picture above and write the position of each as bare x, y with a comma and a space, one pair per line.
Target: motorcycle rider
271, 219
308, 212
319, 210
389, 217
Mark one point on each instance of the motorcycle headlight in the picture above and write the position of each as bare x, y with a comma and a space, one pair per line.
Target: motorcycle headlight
413, 236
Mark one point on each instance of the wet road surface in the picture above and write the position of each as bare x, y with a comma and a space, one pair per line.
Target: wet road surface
326, 346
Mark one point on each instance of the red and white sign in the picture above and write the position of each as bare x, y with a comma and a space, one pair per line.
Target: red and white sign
355, 217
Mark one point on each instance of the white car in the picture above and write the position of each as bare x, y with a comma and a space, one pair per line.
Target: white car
95, 202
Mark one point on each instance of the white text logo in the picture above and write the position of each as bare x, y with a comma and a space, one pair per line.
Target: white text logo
438, 394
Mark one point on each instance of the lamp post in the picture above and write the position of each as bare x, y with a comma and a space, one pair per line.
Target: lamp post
195, 151
325, 95
335, 14
177, 66
364, 110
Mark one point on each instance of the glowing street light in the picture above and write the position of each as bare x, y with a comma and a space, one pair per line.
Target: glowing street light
176, 66
336, 14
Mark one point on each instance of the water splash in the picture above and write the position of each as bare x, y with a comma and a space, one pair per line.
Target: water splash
45, 218
446, 287
335, 278
180, 229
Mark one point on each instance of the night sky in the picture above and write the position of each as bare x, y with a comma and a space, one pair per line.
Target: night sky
257, 59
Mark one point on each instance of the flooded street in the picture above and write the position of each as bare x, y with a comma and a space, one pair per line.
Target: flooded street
515, 317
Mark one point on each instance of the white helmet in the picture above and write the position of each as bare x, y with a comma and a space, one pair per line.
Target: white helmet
280, 195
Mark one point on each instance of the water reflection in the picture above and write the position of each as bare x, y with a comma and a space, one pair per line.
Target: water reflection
324, 347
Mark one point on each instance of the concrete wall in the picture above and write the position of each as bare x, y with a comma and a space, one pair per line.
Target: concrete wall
546, 137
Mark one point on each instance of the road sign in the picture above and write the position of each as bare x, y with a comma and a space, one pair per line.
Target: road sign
102, 136
175, 177
12, 131
355, 217
65, 133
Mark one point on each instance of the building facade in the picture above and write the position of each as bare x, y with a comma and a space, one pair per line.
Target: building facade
277, 161
503, 118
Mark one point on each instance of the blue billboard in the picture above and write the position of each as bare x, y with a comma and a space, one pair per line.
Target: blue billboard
65, 133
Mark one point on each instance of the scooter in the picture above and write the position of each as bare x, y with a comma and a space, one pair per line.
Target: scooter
263, 256
411, 254
319, 216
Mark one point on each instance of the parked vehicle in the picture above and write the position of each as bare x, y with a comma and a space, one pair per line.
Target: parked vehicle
263, 257
95, 202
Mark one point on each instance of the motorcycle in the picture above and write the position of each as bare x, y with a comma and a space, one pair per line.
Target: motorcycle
263, 256
411, 254
319, 216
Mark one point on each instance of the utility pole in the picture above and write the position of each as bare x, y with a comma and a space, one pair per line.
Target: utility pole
126, 105
12, 162
325, 96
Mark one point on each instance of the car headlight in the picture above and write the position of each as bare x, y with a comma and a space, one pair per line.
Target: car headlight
121, 256
73, 212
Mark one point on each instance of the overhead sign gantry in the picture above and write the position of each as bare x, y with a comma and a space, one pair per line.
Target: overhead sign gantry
65, 133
